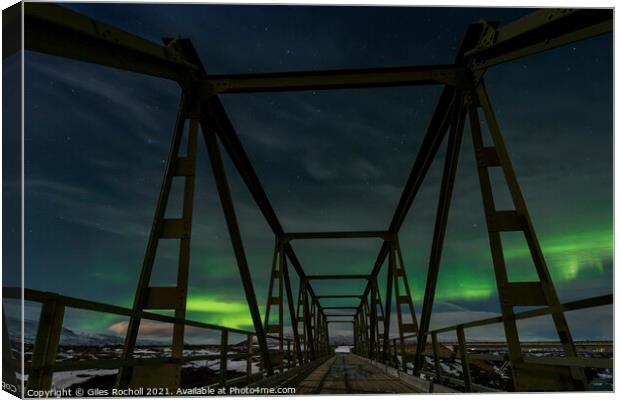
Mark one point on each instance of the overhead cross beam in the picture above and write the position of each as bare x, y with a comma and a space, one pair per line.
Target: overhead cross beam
336, 235
50, 28
340, 315
336, 79
538, 31
337, 277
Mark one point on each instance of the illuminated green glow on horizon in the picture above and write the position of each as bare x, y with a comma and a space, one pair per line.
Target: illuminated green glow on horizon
467, 291
211, 310
571, 254
568, 256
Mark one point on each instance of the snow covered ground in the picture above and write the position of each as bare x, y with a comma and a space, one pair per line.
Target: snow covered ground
67, 378
493, 374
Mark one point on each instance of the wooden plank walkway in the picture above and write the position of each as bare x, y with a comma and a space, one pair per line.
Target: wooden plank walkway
344, 373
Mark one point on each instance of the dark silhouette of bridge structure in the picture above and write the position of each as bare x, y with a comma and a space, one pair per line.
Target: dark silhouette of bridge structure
412, 349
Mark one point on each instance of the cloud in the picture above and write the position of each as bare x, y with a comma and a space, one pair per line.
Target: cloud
84, 80
83, 206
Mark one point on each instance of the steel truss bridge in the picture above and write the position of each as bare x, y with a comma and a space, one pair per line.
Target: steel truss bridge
55, 30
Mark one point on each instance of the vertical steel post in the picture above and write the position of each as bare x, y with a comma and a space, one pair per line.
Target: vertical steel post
441, 222
460, 333
380, 317
309, 342
300, 318
355, 342
373, 320
313, 326
512, 294
291, 309
289, 358
403, 299
46, 344
281, 310
248, 362
361, 332
367, 327
394, 354
175, 298
276, 277
223, 357
235, 236
178, 331
388, 303
436, 358
318, 330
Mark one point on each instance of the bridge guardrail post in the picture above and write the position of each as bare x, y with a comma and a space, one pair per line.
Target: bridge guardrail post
46, 344
394, 354
223, 357
248, 359
460, 332
436, 358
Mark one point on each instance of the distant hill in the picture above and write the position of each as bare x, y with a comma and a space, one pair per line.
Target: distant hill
270, 343
70, 337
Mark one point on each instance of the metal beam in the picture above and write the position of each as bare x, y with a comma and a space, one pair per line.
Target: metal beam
339, 308
433, 138
291, 307
235, 234
308, 327
288, 249
230, 140
339, 315
339, 296
539, 31
52, 29
141, 300
441, 223
388, 302
336, 79
329, 277
336, 235
435, 133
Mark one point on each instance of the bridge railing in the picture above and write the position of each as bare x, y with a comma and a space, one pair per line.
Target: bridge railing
400, 359
44, 363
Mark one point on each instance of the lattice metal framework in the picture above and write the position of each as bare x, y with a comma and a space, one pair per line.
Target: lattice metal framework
55, 30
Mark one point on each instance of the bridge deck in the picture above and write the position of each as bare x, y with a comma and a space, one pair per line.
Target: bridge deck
345, 373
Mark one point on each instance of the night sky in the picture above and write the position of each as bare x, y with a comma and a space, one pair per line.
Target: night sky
96, 139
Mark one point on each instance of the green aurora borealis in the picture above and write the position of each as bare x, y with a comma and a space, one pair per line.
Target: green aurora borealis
96, 138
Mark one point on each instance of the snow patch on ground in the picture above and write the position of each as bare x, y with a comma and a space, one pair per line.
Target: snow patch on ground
343, 349
67, 378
